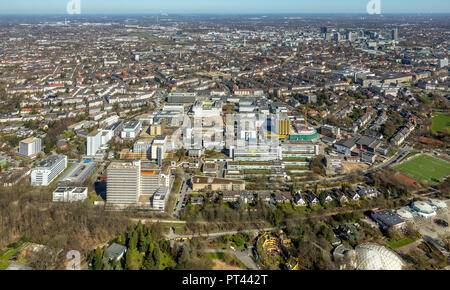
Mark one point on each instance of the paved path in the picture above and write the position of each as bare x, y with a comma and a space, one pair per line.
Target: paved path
212, 235
244, 257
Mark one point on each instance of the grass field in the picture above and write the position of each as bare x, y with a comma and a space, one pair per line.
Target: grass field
440, 122
7, 253
426, 168
400, 243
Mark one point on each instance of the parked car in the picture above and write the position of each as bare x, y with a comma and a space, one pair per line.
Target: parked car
441, 223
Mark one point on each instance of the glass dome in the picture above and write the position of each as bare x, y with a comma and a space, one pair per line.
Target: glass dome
376, 257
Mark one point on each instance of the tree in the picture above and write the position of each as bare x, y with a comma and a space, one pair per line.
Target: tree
133, 259
149, 263
82, 148
121, 240
226, 238
133, 239
239, 240
157, 256
98, 259
237, 204
317, 166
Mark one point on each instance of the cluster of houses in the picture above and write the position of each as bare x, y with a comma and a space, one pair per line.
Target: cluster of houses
299, 198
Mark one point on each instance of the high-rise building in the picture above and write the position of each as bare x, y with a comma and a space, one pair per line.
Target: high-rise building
337, 37
351, 35
94, 142
394, 35
285, 125
48, 170
124, 183
30, 147
159, 143
130, 183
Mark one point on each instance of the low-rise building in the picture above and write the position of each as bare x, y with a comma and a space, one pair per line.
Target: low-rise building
70, 194
387, 218
216, 184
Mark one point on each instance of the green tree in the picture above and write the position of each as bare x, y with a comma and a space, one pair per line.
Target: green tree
133, 239
157, 256
98, 259
239, 240
133, 259
149, 263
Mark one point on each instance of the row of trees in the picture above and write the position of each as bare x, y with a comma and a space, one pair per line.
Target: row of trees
28, 212
148, 250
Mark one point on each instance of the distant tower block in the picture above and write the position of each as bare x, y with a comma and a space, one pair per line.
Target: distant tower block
231, 152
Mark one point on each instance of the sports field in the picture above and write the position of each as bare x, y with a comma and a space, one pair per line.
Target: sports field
440, 122
426, 168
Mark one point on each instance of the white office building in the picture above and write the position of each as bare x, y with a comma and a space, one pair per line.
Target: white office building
30, 147
160, 198
131, 130
124, 183
94, 142
48, 170
70, 194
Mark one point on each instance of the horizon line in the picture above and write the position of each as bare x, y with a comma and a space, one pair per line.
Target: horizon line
225, 14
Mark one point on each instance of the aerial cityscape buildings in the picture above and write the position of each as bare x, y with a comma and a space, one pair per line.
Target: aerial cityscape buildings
261, 142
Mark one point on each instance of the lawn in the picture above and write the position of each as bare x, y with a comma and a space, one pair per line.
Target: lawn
425, 168
400, 243
441, 121
7, 254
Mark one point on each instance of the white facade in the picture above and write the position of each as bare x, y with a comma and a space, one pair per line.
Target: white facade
131, 130
70, 194
30, 147
160, 198
110, 120
48, 170
94, 142
124, 183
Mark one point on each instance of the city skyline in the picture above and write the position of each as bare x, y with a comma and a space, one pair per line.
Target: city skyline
224, 7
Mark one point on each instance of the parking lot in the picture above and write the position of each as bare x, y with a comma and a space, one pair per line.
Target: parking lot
428, 227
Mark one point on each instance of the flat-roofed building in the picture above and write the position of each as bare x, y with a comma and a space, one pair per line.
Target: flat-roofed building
181, 97
216, 184
159, 147
299, 149
135, 183
124, 182
78, 173
48, 170
131, 130
30, 147
159, 199
155, 130
93, 143
387, 218
70, 194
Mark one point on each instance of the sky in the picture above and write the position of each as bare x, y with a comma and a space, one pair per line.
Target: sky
222, 6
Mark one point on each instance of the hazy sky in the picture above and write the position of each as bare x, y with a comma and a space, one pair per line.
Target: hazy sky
222, 6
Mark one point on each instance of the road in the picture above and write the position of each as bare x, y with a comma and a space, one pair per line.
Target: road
181, 196
244, 257
213, 235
